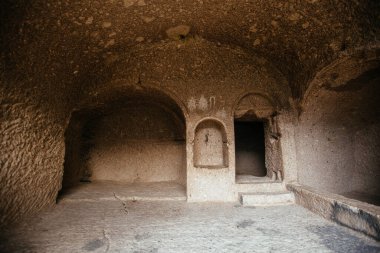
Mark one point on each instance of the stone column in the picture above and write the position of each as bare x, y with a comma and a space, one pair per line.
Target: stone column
286, 124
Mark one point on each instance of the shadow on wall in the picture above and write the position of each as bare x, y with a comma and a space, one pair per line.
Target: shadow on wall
134, 138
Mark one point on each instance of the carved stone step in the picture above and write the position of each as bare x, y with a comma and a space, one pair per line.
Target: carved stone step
267, 198
260, 187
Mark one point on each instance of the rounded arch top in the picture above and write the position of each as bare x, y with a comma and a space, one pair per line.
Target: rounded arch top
212, 121
254, 105
350, 65
118, 94
210, 144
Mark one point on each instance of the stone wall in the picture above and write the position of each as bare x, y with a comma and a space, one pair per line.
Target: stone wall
63, 57
138, 143
338, 137
204, 90
32, 150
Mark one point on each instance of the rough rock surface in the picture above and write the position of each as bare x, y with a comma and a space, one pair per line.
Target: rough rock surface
61, 56
351, 213
127, 226
340, 125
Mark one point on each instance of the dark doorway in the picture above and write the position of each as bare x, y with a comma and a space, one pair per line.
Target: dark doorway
250, 148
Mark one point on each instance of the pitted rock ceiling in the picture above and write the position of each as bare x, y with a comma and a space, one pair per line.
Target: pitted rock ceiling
71, 43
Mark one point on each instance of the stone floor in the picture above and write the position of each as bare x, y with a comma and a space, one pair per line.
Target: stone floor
116, 225
111, 190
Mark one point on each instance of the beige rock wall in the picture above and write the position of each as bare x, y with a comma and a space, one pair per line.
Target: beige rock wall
338, 137
63, 57
138, 143
32, 151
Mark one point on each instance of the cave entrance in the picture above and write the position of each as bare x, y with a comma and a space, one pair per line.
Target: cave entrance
133, 145
250, 148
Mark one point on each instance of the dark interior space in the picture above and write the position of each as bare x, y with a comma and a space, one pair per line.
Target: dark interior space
250, 148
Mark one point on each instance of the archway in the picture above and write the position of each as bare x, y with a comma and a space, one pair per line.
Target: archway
256, 139
338, 139
135, 138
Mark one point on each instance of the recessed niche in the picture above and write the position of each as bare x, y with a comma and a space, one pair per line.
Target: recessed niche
138, 137
210, 145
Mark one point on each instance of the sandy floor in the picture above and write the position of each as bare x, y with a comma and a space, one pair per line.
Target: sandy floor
110, 224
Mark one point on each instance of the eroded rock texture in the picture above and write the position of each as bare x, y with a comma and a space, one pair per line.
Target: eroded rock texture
62, 56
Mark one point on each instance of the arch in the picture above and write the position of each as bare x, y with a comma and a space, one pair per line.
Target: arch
119, 90
265, 109
210, 144
338, 73
341, 111
256, 137
108, 104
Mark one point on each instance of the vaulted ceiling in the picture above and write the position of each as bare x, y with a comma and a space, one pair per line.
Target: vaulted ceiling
49, 41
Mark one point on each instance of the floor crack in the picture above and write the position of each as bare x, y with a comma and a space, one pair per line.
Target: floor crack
107, 238
122, 202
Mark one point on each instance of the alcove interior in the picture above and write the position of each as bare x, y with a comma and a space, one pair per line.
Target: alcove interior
338, 144
210, 145
132, 146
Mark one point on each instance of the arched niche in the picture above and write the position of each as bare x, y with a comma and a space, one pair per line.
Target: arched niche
341, 110
129, 136
210, 145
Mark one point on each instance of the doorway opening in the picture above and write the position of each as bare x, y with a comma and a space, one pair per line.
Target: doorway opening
250, 148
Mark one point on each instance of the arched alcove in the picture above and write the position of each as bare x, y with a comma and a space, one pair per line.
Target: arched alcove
338, 138
135, 136
210, 145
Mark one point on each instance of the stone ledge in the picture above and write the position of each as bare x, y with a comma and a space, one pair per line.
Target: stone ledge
354, 214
